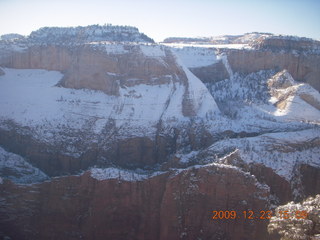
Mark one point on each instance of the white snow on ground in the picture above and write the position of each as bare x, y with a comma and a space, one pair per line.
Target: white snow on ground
250, 37
301, 101
250, 105
30, 98
173, 107
232, 46
18, 170
203, 102
145, 104
149, 50
199, 45
185, 158
195, 56
152, 50
110, 47
298, 109
120, 174
279, 151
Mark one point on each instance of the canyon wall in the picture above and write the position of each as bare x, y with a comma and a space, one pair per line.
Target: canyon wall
93, 67
302, 67
168, 206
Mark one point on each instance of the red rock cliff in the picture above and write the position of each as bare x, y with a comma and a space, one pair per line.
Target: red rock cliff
168, 206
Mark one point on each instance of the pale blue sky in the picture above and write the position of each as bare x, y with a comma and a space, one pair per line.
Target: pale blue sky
165, 18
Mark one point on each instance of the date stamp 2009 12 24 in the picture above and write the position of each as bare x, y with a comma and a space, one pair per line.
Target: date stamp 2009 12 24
261, 215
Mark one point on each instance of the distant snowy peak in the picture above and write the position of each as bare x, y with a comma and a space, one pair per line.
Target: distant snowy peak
224, 39
89, 34
246, 38
287, 43
11, 37
255, 40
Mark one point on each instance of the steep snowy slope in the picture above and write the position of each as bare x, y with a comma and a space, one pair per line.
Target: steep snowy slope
31, 98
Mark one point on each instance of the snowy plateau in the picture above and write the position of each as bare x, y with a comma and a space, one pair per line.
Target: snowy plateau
105, 105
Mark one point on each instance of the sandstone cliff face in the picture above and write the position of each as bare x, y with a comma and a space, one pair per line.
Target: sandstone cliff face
168, 206
129, 153
287, 43
85, 66
302, 67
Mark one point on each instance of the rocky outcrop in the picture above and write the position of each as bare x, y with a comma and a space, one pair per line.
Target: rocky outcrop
179, 206
300, 222
279, 187
305, 181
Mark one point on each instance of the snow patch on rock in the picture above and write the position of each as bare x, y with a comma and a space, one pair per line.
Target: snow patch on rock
193, 57
120, 174
18, 170
279, 151
152, 50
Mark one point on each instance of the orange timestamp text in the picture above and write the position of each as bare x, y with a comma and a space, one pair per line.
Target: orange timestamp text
261, 215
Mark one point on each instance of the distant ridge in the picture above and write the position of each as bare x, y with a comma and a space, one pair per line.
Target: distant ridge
83, 34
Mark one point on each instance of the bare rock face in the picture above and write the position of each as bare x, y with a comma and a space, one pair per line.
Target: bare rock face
305, 181
90, 68
302, 67
45, 157
179, 207
212, 73
1, 72
279, 186
310, 179
129, 153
